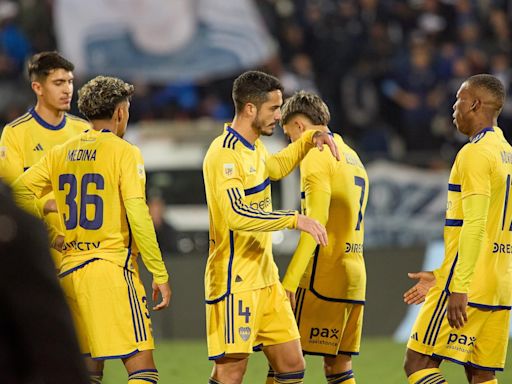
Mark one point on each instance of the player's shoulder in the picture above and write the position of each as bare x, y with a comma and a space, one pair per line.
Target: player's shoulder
223, 146
78, 121
21, 121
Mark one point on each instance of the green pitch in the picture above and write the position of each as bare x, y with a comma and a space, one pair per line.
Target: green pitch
185, 362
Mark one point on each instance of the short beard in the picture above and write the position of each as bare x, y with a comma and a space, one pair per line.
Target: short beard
258, 127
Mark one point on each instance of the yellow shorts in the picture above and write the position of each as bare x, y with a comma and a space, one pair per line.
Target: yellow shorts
328, 328
247, 321
481, 343
109, 307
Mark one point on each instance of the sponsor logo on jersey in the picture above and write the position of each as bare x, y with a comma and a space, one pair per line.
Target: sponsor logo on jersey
81, 245
229, 170
353, 248
38, 147
262, 204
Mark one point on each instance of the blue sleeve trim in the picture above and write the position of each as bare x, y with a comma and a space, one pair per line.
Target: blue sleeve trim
258, 188
453, 222
454, 187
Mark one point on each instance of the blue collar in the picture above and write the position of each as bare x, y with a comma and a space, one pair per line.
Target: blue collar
241, 138
46, 125
479, 135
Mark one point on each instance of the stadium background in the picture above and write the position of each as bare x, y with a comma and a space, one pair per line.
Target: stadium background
388, 69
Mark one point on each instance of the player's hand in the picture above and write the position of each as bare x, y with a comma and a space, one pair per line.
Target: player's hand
314, 228
320, 138
58, 243
291, 297
165, 291
456, 311
50, 206
416, 295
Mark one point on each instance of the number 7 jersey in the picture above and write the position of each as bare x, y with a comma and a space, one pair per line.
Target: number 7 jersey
482, 167
91, 175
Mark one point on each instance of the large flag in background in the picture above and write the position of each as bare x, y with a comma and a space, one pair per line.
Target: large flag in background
162, 40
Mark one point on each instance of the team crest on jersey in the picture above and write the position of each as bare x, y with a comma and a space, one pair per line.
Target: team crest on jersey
229, 170
140, 170
3, 153
245, 333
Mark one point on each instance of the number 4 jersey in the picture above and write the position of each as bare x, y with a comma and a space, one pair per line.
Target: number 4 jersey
482, 167
92, 176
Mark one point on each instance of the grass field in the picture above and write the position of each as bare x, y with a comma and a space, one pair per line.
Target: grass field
380, 362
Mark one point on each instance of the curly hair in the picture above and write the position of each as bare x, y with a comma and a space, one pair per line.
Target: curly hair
307, 104
99, 97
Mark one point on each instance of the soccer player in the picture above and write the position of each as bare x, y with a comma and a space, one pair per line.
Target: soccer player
27, 139
329, 282
246, 306
96, 178
465, 317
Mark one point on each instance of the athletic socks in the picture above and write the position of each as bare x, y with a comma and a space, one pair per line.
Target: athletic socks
427, 376
144, 376
346, 377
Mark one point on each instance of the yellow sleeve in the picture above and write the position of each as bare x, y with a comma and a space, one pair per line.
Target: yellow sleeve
475, 165
476, 209
230, 195
315, 173
33, 184
132, 177
282, 163
11, 156
143, 232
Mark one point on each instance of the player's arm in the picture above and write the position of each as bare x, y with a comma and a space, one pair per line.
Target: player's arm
11, 156
316, 177
475, 166
33, 185
143, 231
282, 163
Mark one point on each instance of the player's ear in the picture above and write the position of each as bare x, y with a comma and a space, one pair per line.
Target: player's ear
37, 88
250, 109
476, 105
300, 124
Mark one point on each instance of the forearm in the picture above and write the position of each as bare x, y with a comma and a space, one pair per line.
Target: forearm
282, 163
26, 199
241, 217
476, 208
143, 232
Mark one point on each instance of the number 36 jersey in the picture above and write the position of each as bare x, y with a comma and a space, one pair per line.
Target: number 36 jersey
483, 167
91, 175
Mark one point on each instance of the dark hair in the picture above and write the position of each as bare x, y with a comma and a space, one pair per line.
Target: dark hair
307, 104
492, 85
253, 87
41, 64
99, 97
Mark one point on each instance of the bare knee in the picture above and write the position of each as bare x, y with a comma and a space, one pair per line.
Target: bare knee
415, 361
229, 370
337, 364
476, 376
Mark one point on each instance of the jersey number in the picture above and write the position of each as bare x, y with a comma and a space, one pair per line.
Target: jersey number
74, 218
360, 182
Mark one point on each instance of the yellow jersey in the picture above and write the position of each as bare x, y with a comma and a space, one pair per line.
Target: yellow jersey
27, 139
335, 193
237, 179
482, 167
93, 177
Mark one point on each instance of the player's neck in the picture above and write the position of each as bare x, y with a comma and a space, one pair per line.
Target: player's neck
481, 125
245, 129
49, 115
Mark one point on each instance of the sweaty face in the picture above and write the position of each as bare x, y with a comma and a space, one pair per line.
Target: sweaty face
269, 114
56, 90
462, 109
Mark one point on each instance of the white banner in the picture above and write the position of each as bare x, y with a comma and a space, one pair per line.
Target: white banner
161, 40
406, 205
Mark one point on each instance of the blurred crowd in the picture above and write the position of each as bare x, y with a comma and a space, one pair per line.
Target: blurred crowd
388, 69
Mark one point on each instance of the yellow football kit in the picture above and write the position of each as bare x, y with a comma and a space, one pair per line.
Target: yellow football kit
332, 279
25, 141
482, 170
237, 178
97, 181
